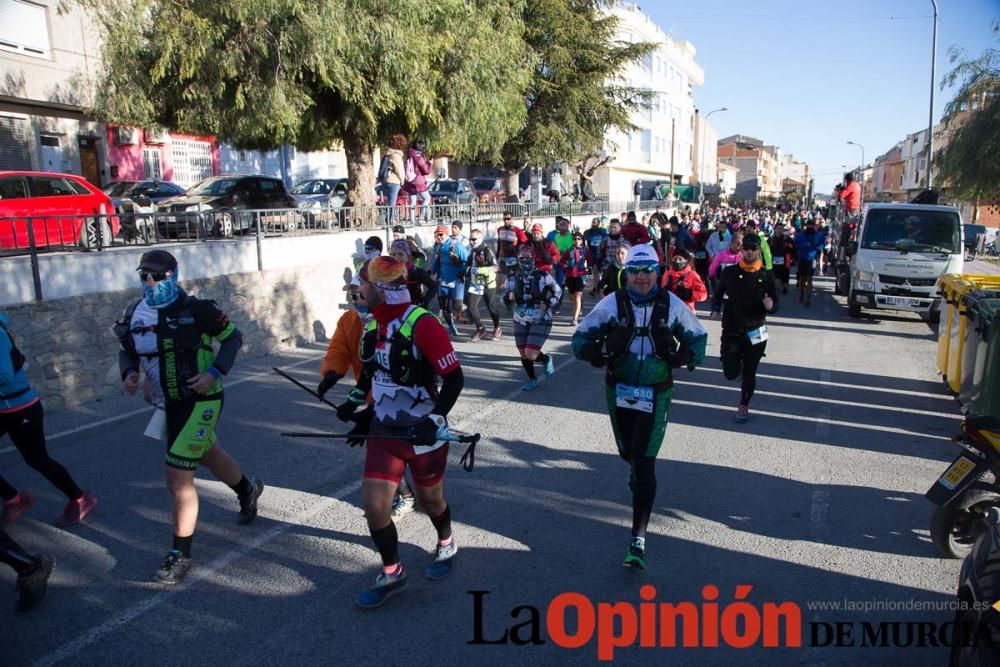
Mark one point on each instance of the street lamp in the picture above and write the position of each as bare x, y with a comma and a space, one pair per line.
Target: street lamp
701, 164
930, 113
861, 171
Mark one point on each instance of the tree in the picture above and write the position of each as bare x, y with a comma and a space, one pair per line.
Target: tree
968, 164
574, 96
262, 73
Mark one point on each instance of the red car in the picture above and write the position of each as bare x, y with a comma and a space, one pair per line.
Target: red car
64, 210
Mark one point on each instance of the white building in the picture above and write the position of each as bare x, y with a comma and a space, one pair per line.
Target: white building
298, 165
790, 168
727, 180
914, 156
662, 147
706, 157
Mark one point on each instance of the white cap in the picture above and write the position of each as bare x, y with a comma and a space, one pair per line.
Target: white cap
641, 255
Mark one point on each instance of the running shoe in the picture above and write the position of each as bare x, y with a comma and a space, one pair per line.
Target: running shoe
576, 321
497, 333
530, 384
14, 507
76, 510
386, 585
742, 414
175, 567
441, 565
635, 556
550, 367
248, 502
401, 506
478, 335
452, 328
31, 587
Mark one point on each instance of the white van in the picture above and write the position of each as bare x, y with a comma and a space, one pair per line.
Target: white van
899, 253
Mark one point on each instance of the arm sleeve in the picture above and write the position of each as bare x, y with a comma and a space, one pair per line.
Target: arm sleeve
215, 323
451, 387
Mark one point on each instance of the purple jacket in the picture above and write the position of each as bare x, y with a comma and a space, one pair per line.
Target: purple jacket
423, 168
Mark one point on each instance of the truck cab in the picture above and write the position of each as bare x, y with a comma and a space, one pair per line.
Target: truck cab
897, 254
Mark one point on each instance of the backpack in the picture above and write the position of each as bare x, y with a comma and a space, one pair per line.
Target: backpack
17, 359
383, 170
409, 170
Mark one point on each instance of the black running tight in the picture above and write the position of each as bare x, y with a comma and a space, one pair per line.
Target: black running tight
27, 432
739, 356
489, 297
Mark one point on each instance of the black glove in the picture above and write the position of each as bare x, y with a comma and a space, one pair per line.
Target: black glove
683, 356
426, 431
362, 426
683, 292
327, 383
592, 352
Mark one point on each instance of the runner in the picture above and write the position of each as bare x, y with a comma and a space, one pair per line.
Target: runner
614, 277
416, 278
782, 255
752, 296
449, 265
167, 335
682, 281
808, 245
509, 238
574, 265
546, 253
482, 285
404, 351
22, 417
640, 333
594, 237
534, 292
562, 239
726, 258
32, 572
633, 231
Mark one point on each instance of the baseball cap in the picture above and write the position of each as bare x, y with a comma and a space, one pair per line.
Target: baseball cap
751, 242
641, 255
536, 228
399, 229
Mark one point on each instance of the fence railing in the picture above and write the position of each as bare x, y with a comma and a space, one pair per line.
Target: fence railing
36, 234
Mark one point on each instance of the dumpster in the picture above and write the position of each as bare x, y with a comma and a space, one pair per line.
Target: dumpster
980, 306
956, 344
947, 288
987, 399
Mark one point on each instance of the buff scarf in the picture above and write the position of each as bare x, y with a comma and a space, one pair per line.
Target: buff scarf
752, 266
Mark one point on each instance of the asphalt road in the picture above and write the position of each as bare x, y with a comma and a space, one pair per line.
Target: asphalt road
818, 498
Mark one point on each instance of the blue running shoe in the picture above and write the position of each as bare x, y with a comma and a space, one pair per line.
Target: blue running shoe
452, 328
386, 585
530, 384
443, 556
550, 367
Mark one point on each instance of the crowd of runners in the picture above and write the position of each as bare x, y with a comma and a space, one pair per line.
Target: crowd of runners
645, 274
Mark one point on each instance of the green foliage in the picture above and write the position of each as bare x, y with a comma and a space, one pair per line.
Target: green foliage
573, 97
259, 73
969, 164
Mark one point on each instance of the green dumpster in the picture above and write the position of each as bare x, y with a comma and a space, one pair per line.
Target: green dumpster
980, 306
987, 399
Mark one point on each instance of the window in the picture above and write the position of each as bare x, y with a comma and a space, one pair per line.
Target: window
646, 140
192, 161
24, 28
268, 187
152, 163
51, 186
14, 187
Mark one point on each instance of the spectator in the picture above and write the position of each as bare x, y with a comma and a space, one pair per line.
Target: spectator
393, 172
416, 168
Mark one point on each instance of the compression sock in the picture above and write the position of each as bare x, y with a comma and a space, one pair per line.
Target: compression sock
542, 358
183, 545
442, 523
242, 487
387, 542
529, 367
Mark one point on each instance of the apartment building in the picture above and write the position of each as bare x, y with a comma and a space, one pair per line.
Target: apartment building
756, 163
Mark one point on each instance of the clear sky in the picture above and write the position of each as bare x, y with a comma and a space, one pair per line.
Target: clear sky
810, 76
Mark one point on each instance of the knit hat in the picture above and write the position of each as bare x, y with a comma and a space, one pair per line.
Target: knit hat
456, 223
536, 228
401, 245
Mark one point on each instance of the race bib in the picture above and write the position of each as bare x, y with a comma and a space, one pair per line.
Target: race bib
631, 397
527, 313
700, 254
758, 336
779, 261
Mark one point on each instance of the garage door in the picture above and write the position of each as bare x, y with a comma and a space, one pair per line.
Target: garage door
15, 143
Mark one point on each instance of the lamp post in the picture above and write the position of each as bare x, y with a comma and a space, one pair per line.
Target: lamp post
930, 113
861, 170
701, 164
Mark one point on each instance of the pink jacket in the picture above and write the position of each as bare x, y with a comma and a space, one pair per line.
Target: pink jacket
722, 260
423, 168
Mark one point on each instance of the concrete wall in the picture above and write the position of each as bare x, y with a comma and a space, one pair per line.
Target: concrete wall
296, 299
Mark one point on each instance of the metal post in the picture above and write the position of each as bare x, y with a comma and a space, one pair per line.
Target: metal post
36, 277
701, 164
930, 112
260, 254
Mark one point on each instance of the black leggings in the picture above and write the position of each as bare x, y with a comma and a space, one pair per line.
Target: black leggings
635, 428
739, 356
27, 431
12, 554
489, 297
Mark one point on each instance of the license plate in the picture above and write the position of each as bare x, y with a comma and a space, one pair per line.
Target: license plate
900, 301
169, 218
956, 472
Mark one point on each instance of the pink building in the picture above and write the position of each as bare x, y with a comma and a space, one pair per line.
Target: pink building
136, 154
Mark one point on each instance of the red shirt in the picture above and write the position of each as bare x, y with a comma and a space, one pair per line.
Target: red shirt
635, 233
852, 195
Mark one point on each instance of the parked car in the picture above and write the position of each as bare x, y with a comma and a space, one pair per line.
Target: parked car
64, 209
488, 190
132, 199
320, 199
222, 205
452, 197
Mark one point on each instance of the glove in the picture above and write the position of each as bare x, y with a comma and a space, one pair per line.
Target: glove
362, 426
327, 383
683, 292
683, 356
346, 409
429, 430
592, 352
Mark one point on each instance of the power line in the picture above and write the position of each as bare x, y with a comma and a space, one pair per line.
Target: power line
825, 19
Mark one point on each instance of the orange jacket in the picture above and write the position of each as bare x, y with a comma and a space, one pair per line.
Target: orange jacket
688, 282
344, 350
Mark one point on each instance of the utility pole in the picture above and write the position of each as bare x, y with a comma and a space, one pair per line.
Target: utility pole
930, 113
673, 151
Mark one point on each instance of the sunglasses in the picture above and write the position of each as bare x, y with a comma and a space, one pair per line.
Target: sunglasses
636, 270
474, 239
354, 296
508, 219
157, 276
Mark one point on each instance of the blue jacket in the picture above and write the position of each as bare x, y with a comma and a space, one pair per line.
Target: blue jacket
809, 249
445, 266
11, 382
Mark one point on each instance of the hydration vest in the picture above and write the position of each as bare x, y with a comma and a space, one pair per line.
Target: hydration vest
405, 368
658, 330
537, 294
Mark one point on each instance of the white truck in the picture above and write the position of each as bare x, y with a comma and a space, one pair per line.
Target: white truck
896, 255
